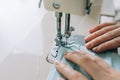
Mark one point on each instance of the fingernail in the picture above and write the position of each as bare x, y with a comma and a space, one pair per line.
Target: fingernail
60, 79
95, 49
90, 31
86, 38
89, 45
56, 62
69, 53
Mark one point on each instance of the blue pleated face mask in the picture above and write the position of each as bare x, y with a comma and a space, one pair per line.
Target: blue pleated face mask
77, 43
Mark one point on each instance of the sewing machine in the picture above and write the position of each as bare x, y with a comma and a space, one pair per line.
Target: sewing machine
66, 41
78, 7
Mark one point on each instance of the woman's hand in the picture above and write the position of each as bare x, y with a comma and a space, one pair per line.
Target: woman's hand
104, 37
93, 65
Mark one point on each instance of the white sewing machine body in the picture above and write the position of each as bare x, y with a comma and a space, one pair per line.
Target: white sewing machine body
74, 7
66, 6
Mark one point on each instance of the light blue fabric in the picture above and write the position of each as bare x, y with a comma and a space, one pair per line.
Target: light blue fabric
110, 57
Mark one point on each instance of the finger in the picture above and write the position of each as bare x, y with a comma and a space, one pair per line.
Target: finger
103, 38
103, 65
86, 61
77, 57
101, 26
112, 44
91, 64
100, 32
68, 72
87, 58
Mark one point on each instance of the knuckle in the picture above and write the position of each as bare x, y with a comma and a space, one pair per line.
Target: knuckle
102, 46
105, 23
117, 40
91, 58
63, 67
97, 41
114, 33
110, 34
86, 59
69, 55
96, 60
99, 48
119, 29
81, 52
96, 33
106, 29
118, 24
76, 76
109, 23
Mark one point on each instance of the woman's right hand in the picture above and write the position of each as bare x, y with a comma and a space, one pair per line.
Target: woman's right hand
93, 65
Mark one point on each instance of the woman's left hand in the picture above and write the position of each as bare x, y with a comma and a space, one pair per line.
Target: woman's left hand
93, 65
104, 37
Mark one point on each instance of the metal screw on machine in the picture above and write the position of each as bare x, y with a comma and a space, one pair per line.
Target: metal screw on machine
56, 5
